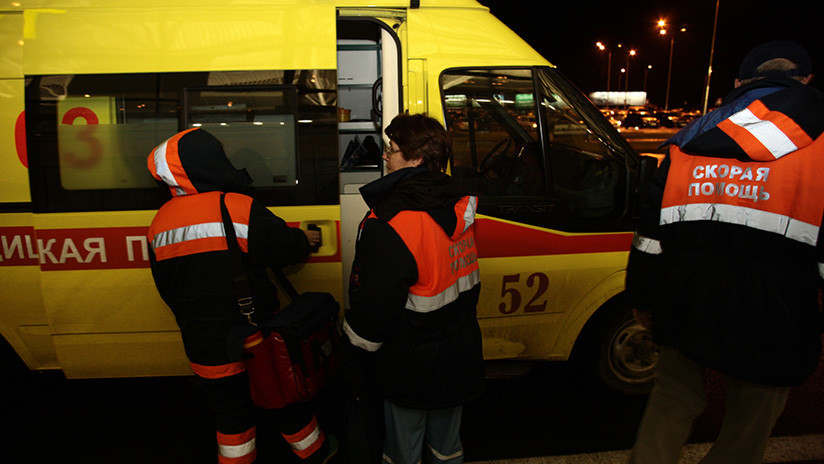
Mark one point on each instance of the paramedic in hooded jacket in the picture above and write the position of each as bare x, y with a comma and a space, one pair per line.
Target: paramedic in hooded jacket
191, 267
413, 293
727, 259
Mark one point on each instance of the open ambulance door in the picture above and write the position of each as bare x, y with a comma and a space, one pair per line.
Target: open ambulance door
369, 93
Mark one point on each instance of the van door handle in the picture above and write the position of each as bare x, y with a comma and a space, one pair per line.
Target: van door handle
317, 229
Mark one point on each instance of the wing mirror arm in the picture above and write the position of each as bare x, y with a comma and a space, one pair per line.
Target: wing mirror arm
649, 162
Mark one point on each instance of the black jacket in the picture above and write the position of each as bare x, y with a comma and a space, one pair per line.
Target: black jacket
414, 290
189, 258
729, 250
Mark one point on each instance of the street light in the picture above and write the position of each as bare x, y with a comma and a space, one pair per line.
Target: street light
712, 51
662, 29
626, 81
603, 47
649, 66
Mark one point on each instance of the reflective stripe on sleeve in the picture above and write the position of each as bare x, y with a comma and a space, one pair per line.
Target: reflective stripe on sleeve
646, 244
359, 341
425, 304
749, 217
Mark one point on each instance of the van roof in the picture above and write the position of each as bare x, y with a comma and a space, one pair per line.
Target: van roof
38, 4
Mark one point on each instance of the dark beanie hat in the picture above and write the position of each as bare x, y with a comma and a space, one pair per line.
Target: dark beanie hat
772, 50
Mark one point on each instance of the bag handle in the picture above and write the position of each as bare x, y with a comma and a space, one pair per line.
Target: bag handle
245, 304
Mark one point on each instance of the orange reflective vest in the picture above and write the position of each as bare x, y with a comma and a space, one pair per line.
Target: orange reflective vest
191, 224
781, 196
447, 265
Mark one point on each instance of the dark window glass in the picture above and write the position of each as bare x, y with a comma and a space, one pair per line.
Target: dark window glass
89, 136
492, 117
533, 148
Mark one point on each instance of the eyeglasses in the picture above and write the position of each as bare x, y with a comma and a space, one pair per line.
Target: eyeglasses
389, 151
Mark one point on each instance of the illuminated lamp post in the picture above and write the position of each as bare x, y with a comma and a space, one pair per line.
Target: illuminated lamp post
626, 80
712, 52
649, 66
663, 31
603, 47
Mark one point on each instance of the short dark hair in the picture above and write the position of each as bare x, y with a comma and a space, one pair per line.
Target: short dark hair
421, 137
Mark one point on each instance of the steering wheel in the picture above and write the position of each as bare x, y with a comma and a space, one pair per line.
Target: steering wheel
494, 155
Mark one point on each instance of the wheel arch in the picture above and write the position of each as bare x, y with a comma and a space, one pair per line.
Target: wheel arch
14, 352
29, 346
592, 306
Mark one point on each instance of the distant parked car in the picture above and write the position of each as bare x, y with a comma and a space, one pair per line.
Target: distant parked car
632, 119
666, 119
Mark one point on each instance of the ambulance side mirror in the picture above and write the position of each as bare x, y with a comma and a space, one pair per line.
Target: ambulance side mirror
649, 162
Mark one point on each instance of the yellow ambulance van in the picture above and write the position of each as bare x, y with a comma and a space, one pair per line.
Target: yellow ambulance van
299, 92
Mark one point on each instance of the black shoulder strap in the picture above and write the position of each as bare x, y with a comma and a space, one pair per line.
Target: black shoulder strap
290, 289
244, 293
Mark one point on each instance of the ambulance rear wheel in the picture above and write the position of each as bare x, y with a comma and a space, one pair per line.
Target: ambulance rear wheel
621, 353
13, 368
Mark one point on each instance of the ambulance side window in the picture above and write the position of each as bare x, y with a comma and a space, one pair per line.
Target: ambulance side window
532, 152
89, 136
492, 117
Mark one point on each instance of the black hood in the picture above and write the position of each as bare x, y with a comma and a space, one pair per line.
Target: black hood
193, 161
418, 189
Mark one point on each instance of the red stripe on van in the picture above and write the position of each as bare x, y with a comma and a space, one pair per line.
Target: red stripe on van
497, 239
89, 249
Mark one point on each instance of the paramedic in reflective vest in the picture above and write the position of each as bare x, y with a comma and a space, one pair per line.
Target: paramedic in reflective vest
413, 293
191, 267
726, 264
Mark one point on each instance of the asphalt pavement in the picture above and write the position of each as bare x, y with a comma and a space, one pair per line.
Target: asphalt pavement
553, 414
557, 415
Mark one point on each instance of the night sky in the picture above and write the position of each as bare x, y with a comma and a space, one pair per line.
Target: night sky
567, 31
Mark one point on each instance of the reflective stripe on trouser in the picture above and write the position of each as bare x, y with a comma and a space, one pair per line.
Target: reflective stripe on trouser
307, 440
239, 448
234, 416
407, 430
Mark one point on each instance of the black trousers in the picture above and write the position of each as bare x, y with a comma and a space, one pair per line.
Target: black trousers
236, 417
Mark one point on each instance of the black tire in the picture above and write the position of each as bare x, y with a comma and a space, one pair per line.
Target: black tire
14, 369
618, 352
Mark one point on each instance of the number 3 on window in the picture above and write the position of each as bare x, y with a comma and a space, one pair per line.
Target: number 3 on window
535, 305
87, 135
